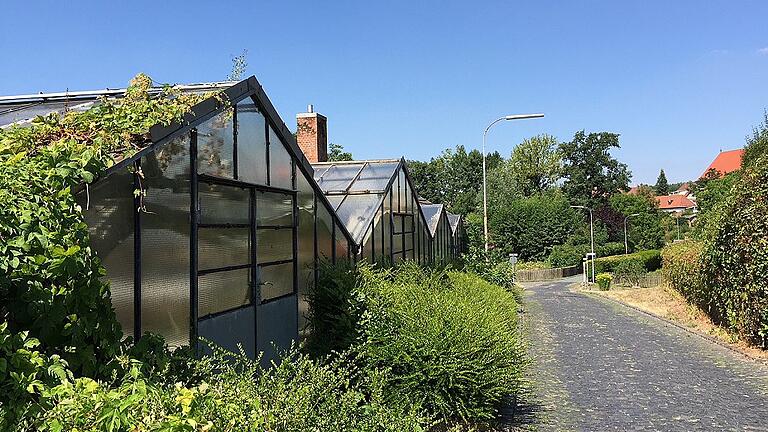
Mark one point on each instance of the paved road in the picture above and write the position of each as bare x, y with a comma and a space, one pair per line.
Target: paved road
599, 366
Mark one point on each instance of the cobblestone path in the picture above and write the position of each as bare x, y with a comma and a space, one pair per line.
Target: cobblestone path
599, 366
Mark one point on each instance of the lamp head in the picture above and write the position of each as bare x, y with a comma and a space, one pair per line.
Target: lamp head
522, 116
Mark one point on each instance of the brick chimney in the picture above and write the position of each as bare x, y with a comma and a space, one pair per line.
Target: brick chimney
312, 135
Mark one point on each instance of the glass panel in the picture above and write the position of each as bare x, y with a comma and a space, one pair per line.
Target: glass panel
280, 171
165, 243
274, 245
357, 212
251, 143
403, 198
324, 234
335, 200
222, 247
342, 247
110, 225
274, 209
408, 223
222, 291
375, 177
223, 204
366, 252
306, 243
387, 225
215, 146
276, 281
337, 177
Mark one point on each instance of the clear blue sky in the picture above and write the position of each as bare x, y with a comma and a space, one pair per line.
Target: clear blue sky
679, 80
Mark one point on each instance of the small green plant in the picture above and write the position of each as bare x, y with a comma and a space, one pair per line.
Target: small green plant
604, 281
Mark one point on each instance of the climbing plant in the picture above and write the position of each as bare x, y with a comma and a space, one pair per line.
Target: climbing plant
52, 282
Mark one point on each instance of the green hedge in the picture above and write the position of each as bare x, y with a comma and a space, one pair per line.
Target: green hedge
649, 260
683, 268
567, 255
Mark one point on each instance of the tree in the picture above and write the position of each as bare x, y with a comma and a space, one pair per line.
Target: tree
591, 174
662, 186
644, 231
535, 165
757, 144
337, 154
455, 178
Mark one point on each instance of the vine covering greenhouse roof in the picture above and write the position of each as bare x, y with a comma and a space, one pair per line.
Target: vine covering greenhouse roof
356, 189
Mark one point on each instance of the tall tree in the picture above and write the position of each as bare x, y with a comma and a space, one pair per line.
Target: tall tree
644, 219
455, 178
337, 154
535, 164
662, 186
591, 174
757, 144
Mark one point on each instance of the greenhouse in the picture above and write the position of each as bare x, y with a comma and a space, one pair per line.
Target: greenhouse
377, 203
230, 223
440, 231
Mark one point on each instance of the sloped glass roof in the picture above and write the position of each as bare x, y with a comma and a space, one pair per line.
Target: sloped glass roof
431, 213
355, 189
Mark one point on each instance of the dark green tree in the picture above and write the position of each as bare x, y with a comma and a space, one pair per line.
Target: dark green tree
591, 174
662, 186
644, 231
534, 165
337, 154
757, 144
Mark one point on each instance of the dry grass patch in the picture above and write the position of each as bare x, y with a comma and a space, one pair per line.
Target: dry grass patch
667, 303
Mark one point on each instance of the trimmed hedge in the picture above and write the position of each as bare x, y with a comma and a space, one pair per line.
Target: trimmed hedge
683, 269
649, 260
567, 255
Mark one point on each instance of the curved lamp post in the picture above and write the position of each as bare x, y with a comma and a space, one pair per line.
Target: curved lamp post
626, 246
485, 189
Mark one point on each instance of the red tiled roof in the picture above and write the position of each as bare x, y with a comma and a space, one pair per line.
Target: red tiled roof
667, 202
725, 162
685, 187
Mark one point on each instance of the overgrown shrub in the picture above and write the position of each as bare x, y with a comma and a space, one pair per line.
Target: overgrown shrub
682, 268
567, 255
604, 281
629, 272
647, 260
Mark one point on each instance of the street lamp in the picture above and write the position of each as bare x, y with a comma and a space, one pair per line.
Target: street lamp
485, 189
591, 236
626, 247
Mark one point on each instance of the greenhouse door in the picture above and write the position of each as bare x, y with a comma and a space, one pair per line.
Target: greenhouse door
246, 266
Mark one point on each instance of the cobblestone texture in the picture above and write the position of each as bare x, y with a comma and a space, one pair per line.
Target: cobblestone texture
599, 366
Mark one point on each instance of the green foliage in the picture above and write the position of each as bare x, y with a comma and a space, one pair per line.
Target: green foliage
591, 174
629, 272
455, 178
567, 255
644, 231
757, 144
711, 191
604, 281
532, 226
449, 340
683, 268
337, 154
736, 255
662, 186
51, 280
534, 165
645, 261
239, 65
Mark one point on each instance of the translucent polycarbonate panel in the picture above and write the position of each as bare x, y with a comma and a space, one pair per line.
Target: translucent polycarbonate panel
215, 139
222, 291
109, 217
386, 224
274, 245
324, 234
276, 281
165, 243
375, 177
338, 177
367, 246
335, 200
341, 245
403, 197
306, 244
223, 204
357, 212
408, 223
280, 167
409, 245
251, 144
274, 209
222, 247
376, 244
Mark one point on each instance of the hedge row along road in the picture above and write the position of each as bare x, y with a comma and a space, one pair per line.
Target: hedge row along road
598, 365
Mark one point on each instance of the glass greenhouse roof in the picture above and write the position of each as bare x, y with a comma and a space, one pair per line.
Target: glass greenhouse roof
356, 189
431, 213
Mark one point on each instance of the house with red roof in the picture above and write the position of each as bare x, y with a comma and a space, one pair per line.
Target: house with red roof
725, 162
675, 203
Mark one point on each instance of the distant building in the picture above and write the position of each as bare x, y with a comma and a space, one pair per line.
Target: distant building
675, 203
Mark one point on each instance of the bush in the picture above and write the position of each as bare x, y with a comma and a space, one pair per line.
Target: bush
648, 260
629, 272
682, 268
450, 339
567, 255
604, 281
